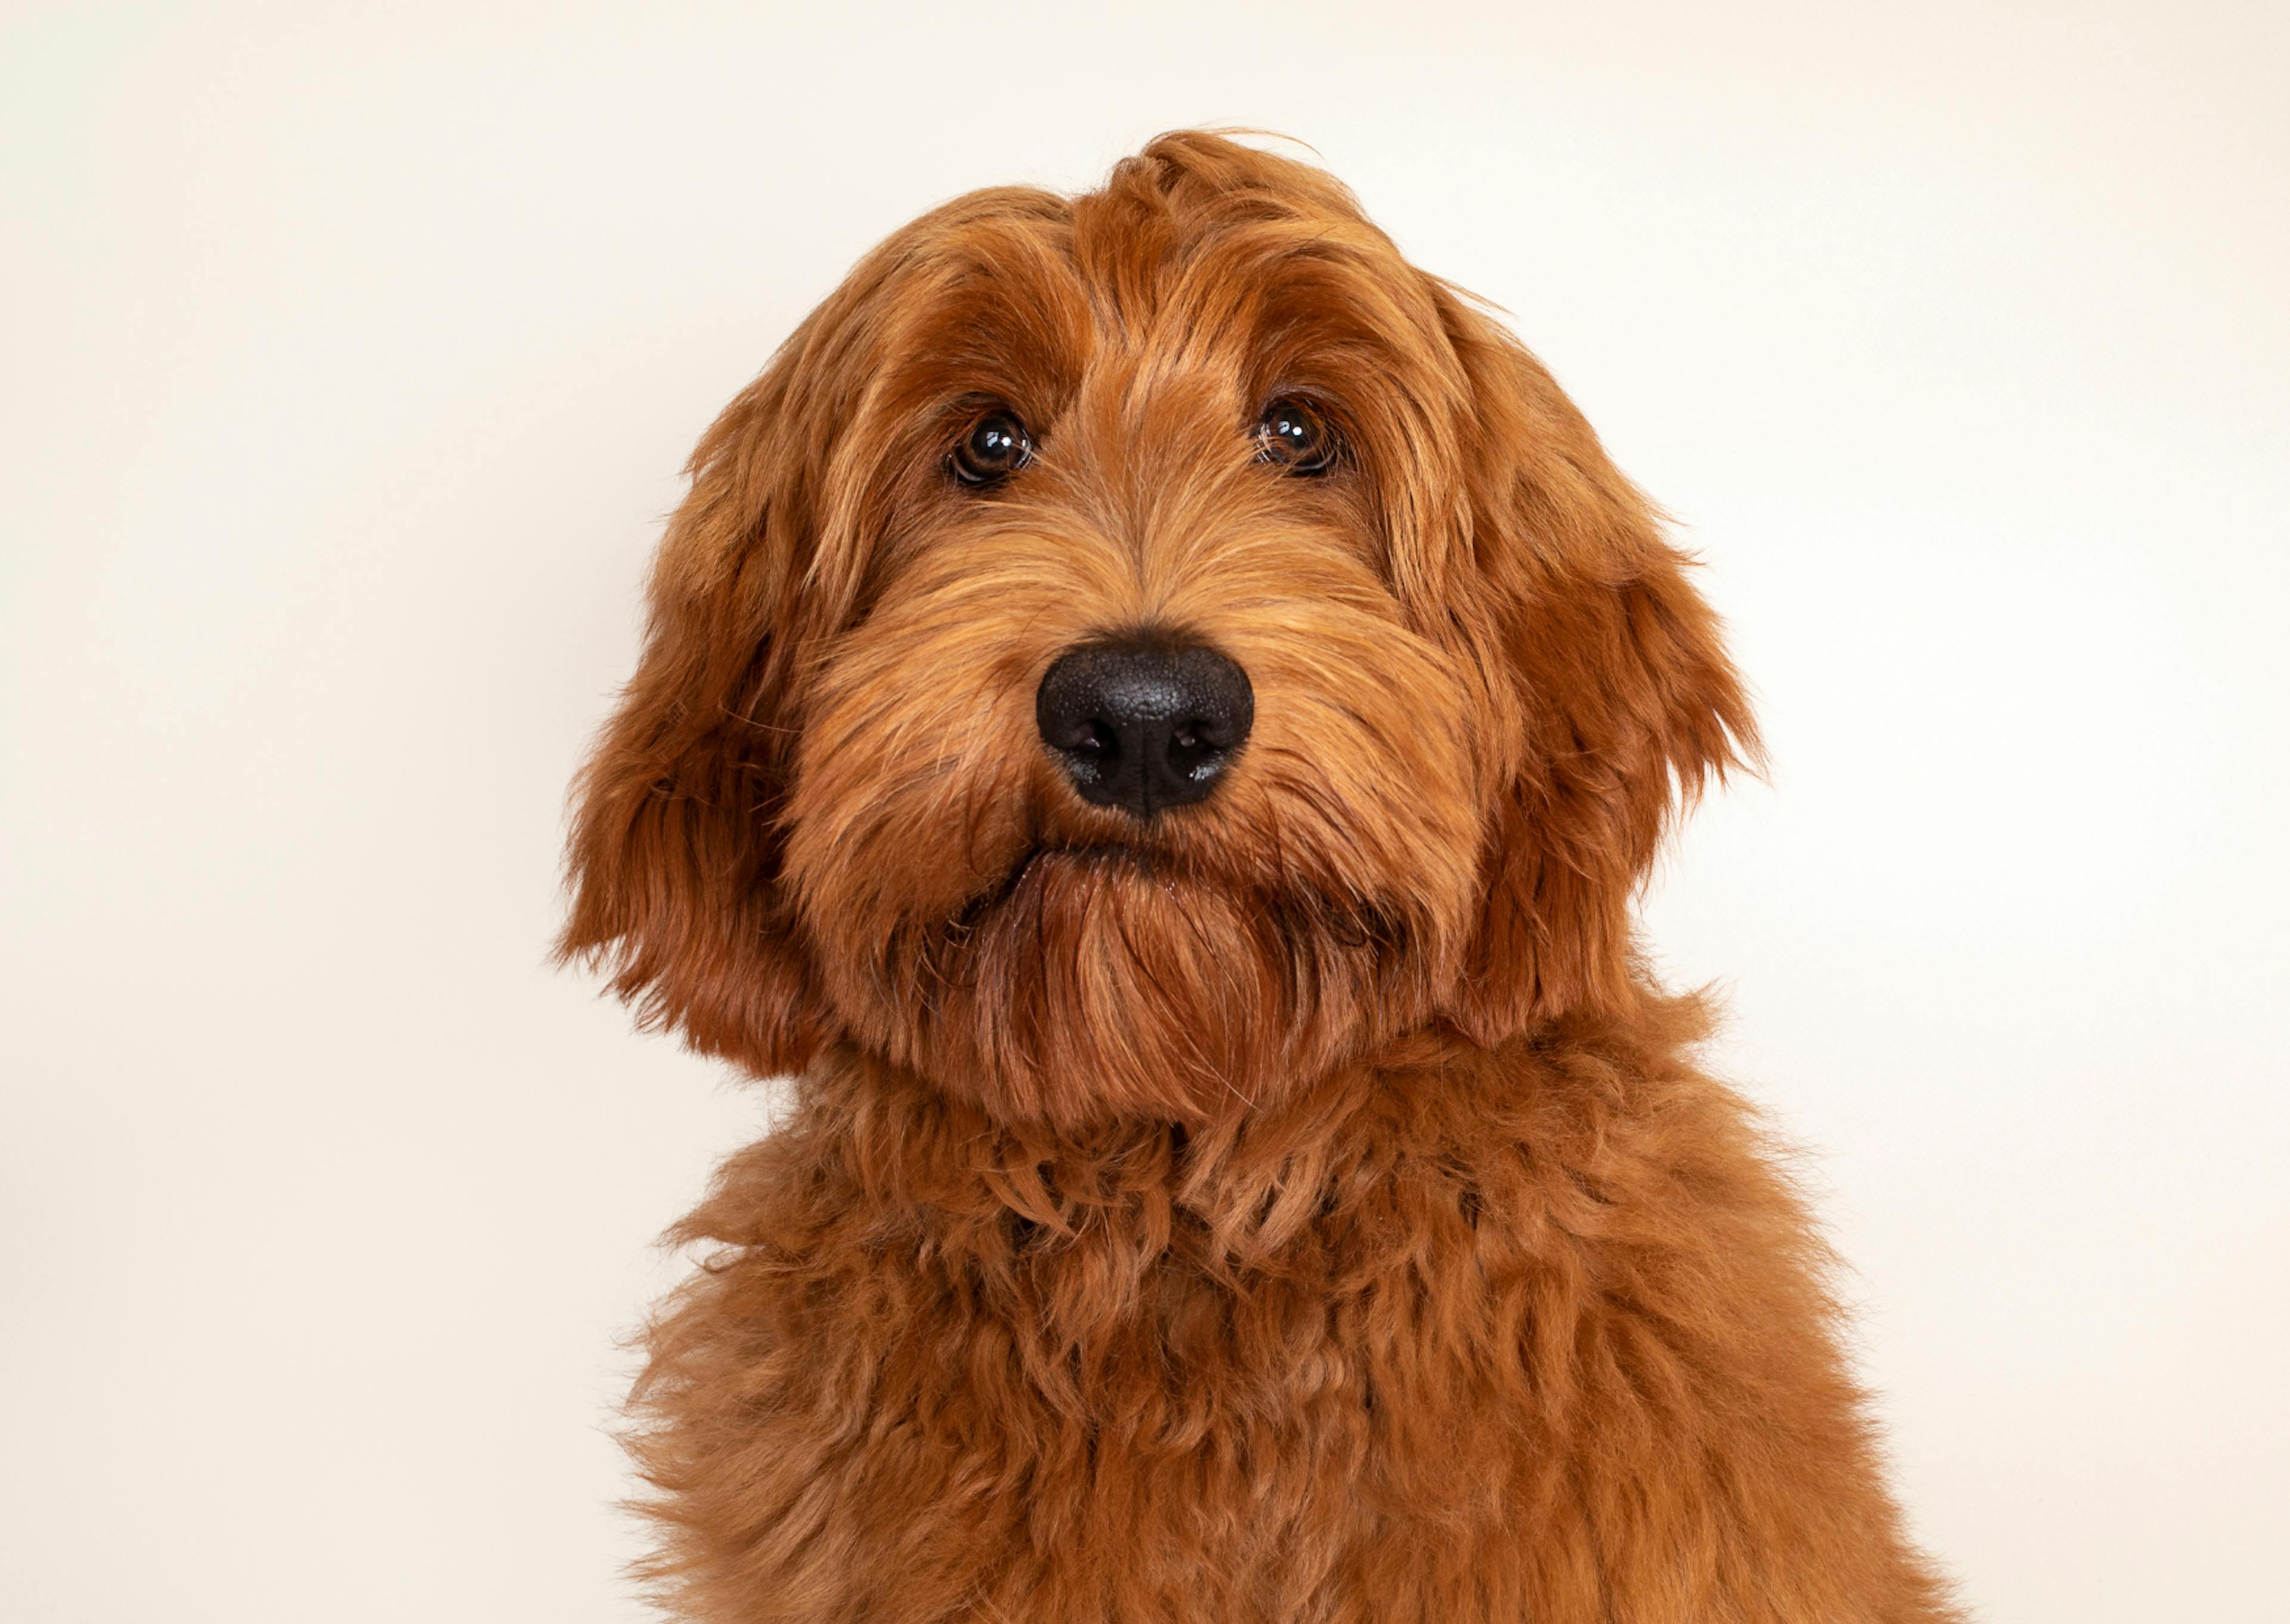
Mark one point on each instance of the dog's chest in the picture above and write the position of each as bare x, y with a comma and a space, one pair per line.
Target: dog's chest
1153, 1388
1352, 1381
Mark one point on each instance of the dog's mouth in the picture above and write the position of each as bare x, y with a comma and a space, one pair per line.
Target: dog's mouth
1049, 855
1046, 861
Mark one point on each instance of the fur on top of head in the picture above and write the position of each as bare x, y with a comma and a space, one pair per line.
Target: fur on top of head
824, 811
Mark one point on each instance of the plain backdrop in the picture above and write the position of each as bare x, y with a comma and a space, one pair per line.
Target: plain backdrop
348, 356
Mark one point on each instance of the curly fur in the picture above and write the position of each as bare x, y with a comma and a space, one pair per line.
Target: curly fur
1300, 1208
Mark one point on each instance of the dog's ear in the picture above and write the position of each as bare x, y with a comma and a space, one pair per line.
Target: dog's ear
1614, 700
674, 856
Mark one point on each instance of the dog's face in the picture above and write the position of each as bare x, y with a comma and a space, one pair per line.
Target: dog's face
1127, 653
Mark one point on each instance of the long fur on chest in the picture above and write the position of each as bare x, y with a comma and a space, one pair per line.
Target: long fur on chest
1458, 1334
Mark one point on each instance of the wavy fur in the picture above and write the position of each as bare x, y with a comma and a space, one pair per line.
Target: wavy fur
1299, 1208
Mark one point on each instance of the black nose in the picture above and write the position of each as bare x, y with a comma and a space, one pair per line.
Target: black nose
1140, 725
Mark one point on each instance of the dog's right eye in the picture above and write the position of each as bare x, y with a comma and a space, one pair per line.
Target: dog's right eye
996, 447
1294, 438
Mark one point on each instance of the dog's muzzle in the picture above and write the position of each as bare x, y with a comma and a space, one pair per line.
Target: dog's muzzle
1143, 723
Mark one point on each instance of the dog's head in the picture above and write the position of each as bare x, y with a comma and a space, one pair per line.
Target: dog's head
1129, 651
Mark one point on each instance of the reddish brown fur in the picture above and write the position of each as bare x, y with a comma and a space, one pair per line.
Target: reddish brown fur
1310, 1212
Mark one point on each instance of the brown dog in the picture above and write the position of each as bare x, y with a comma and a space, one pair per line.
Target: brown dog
1155, 709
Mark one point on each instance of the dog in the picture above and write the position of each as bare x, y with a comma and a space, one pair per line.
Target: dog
1154, 713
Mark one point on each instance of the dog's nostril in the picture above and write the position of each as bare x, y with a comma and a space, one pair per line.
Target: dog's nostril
1143, 723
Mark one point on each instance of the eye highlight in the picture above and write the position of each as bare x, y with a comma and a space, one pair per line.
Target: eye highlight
992, 449
1293, 436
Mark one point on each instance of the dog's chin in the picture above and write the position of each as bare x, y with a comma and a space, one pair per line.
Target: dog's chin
1103, 981
1053, 881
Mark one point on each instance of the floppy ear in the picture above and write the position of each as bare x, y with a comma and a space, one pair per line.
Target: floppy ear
1621, 701
673, 858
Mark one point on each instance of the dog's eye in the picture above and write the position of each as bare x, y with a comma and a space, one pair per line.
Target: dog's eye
996, 447
1294, 437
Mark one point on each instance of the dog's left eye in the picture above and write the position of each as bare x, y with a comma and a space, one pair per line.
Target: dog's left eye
1294, 437
996, 447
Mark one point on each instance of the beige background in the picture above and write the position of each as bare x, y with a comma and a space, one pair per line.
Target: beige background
349, 355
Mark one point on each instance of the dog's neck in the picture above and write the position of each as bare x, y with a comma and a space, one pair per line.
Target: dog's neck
1421, 1118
